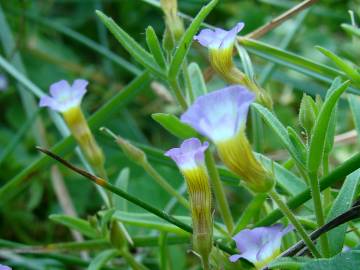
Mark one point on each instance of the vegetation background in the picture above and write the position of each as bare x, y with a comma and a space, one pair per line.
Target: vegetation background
40, 31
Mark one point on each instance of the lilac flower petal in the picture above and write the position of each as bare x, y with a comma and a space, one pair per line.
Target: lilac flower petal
64, 96
220, 115
4, 267
234, 258
259, 244
189, 155
219, 38
56, 89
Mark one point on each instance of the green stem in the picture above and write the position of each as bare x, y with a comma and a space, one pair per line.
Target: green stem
188, 82
131, 260
164, 184
219, 192
174, 84
299, 228
319, 213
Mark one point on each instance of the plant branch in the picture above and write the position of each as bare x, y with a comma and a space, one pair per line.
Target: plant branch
280, 19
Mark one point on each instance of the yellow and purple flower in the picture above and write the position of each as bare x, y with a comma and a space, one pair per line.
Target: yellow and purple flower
218, 38
66, 98
190, 159
221, 45
221, 116
260, 245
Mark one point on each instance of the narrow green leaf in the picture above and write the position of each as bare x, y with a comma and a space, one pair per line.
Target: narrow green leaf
134, 48
352, 30
150, 221
342, 203
301, 64
172, 124
122, 182
154, 47
354, 102
197, 80
343, 65
245, 59
74, 223
317, 143
279, 130
187, 38
297, 143
102, 258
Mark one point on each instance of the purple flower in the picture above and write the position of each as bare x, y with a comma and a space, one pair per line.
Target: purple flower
4, 267
221, 114
63, 96
3, 82
218, 38
260, 245
189, 155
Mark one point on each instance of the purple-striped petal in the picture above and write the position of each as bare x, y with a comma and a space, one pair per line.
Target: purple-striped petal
220, 115
64, 96
189, 155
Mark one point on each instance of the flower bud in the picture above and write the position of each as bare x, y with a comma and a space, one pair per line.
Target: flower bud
308, 113
221, 116
190, 160
174, 24
131, 151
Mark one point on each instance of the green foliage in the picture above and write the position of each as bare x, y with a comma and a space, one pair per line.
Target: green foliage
41, 44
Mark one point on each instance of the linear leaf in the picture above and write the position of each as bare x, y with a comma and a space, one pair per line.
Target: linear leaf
197, 80
186, 40
134, 48
279, 130
172, 124
102, 258
154, 47
318, 138
354, 102
294, 61
343, 65
342, 203
352, 30
75, 223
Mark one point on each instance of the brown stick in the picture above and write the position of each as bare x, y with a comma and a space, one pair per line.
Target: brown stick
280, 19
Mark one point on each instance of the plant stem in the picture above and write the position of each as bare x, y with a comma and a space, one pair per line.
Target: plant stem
319, 213
219, 192
131, 260
188, 82
164, 184
174, 84
299, 228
